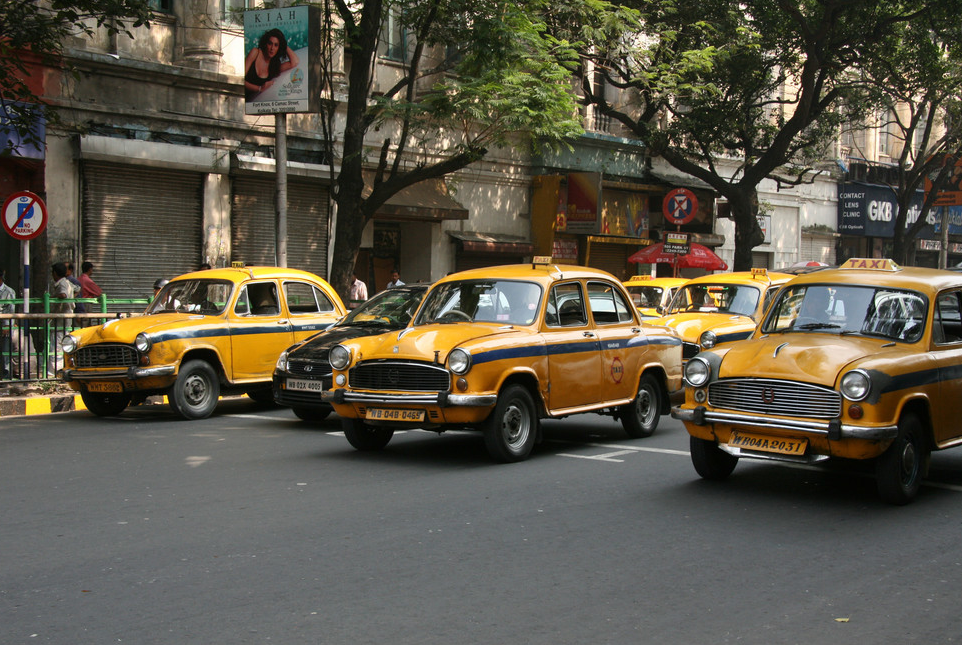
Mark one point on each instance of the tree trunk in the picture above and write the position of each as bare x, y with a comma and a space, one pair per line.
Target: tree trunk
748, 234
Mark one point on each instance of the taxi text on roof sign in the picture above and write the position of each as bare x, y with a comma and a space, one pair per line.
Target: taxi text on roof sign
878, 264
759, 273
640, 278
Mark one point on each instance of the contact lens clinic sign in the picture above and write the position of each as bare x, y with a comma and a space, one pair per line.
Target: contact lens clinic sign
282, 71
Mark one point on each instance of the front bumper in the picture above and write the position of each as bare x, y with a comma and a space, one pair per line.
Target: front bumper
832, 430
128, 373
440, 399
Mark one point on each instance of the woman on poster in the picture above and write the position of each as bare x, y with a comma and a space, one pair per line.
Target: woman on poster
266, 62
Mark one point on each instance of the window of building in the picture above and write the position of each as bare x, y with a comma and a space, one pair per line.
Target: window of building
393, 45
162, 6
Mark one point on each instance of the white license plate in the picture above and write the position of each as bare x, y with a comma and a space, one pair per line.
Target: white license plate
304, 385
388, 414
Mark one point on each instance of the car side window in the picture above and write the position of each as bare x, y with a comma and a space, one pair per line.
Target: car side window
243, 306
566, 306
607, 304
263, 299
304, 298
947, 327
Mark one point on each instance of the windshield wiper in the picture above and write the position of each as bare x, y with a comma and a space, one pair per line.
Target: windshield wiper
818, 325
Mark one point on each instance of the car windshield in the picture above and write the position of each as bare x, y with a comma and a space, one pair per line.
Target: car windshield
865, 310
393, 308
717, 298
208, 297
499, 301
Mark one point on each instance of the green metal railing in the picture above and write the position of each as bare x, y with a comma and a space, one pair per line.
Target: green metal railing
30, 343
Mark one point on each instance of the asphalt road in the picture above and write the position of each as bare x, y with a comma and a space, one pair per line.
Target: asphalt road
253, 527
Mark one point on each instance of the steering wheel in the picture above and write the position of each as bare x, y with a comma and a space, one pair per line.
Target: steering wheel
455, 314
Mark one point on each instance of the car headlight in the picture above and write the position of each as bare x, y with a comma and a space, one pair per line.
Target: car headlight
856, 385
459, 361
68, 344
340, 357
281, 365
708, 339
142, 343
697, 372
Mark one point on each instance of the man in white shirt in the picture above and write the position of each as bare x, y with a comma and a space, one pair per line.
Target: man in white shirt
358, 291
395, 279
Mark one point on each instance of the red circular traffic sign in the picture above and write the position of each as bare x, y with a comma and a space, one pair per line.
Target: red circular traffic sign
24, 215
680, 206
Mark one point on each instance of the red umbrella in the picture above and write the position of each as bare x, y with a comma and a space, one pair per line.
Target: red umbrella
699, 257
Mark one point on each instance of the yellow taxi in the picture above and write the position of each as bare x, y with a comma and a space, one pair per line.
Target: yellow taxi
720, 307
207, 332
497, 349
860, 362
651, 295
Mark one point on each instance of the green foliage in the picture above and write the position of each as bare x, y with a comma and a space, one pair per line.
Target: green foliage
40, 27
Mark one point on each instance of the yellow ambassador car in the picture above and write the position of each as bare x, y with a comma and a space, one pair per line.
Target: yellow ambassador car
206, 332
651, 295
860, 362
498, 348
720, 307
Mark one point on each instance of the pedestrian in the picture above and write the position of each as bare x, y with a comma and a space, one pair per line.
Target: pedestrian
88, 288
79, 307
358, 290
395, 279
6, 293
63, 289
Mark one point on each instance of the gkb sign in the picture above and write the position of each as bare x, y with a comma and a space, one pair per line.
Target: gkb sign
870, 210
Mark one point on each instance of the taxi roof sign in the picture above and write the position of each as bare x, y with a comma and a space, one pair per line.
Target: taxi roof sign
640, 278
876, 264
541, 259
759, 273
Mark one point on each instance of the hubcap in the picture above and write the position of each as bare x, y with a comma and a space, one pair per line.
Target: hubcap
514, 425
195, 389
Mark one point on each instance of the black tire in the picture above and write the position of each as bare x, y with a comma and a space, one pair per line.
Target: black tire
640, 417
105, 405
312, 414
364, 437
899, 470
196, 390
710, 461
512, 428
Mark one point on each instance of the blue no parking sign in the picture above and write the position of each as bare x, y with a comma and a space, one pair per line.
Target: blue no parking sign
680, 206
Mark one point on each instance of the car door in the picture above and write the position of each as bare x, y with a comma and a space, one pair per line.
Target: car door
615, 327
260, 331
574, 359
947, 353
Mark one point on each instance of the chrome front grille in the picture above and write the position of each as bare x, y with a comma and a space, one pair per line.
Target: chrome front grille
399, 376
769, 396
106, 355
308, 369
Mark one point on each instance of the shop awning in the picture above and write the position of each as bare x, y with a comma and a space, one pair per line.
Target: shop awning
425, 201
492, 243
680, 180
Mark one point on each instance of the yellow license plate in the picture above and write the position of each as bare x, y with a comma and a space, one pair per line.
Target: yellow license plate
107, 386
391, 414
762, 443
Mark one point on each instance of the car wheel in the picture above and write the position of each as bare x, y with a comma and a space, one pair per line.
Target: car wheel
105, 405
365, 437
710, 461
899, 470
196, 390
511, 429
312, 414
640, 417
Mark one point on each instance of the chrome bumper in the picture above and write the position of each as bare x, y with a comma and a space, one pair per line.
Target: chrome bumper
833, 429
129, 373
441, 399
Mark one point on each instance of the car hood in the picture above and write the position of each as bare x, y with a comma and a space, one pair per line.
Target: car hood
690, 326
317, 347
125, 330
427, 342
813, 358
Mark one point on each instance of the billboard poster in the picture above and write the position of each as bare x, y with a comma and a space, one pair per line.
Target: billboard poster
584, 191
279, 73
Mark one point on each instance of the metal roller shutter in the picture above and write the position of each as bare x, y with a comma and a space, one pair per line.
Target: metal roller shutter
609, 257
140, 224
253, 223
